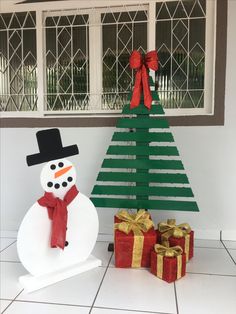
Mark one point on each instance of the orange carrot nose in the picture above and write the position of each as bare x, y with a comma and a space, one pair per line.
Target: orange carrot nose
62, 171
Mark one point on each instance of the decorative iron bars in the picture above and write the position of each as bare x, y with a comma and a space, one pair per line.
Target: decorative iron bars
67, 63
180, 41
18, 65
122, 33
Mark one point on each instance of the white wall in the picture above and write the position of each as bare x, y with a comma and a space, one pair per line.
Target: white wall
208, 153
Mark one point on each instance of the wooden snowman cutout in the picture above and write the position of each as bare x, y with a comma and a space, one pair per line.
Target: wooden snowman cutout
58, 233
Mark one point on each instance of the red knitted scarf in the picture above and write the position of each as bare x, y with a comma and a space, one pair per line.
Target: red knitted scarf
57, 212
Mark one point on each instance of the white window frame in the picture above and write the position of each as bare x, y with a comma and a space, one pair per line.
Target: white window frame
95, 38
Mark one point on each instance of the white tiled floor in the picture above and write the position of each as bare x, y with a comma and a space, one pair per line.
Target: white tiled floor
208, 287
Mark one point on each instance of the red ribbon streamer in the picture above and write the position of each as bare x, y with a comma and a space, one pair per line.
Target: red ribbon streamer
142, 64
57, 212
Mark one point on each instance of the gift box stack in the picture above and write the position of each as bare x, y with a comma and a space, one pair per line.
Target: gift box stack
165, 250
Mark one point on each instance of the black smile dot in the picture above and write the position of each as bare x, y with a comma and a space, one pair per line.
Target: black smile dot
69, 179
49, 184
60, 164
57, 186
53, 167
66, 243
64, 184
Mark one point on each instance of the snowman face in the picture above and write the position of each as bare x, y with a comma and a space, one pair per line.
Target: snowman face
58, 176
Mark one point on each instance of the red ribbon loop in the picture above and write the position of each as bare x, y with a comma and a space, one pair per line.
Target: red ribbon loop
150, 61
57, 212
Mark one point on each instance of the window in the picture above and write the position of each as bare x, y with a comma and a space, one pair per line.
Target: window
18, 59
122, 32
76, 61
67, 62
180, 41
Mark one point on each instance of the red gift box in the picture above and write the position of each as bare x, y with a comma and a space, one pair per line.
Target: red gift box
168, 268
134, 250
172, 236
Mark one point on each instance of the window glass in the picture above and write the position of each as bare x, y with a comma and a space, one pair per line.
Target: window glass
122, 32
67, 63
18, 62
180, 42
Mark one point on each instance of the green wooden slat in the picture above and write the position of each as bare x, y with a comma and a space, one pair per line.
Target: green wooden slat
142, 190
142, 164
141, 109
141, 123
150, 137
146, 204
143, 150
143, 177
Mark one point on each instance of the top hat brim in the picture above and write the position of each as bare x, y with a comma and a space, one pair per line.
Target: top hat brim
40, 158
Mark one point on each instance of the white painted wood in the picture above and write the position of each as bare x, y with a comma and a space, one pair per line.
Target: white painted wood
33, 241
210, 43
95, 60
151, 31
32, 283
41, 79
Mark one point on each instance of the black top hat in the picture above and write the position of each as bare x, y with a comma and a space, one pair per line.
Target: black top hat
50, 148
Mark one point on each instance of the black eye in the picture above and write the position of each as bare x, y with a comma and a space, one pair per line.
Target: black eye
49, 184
60, 164
69, 179
53, 167
64, 184
57, 186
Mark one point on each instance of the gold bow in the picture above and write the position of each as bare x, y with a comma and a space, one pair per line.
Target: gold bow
177, 231
168, 251
138, 223
163, 251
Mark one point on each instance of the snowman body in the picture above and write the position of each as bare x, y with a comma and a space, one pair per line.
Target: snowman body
33, 242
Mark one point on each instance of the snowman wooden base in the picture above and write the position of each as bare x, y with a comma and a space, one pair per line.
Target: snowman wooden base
32, 283
47, 265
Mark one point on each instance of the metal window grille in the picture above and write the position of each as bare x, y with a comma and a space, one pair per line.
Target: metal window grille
18, 65
83, 57
122, 33
180, 41
67, 63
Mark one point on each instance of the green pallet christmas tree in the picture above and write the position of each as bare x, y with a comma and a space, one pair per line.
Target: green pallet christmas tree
144, 178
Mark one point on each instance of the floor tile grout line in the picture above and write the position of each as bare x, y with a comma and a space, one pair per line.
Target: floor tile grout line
209, 247
10, 261
227, 250
128, 310
15, 262
208, 274
49, 303
7, 246
176, 299
101, 283
11, 302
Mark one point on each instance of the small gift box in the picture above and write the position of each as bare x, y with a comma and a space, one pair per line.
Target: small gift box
169, 234
168, 264
134, 239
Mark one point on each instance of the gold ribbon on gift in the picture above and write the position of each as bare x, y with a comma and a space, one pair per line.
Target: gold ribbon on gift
138, 223
163, 251
170, 228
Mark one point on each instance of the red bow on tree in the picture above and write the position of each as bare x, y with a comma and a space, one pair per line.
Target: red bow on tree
142, 64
